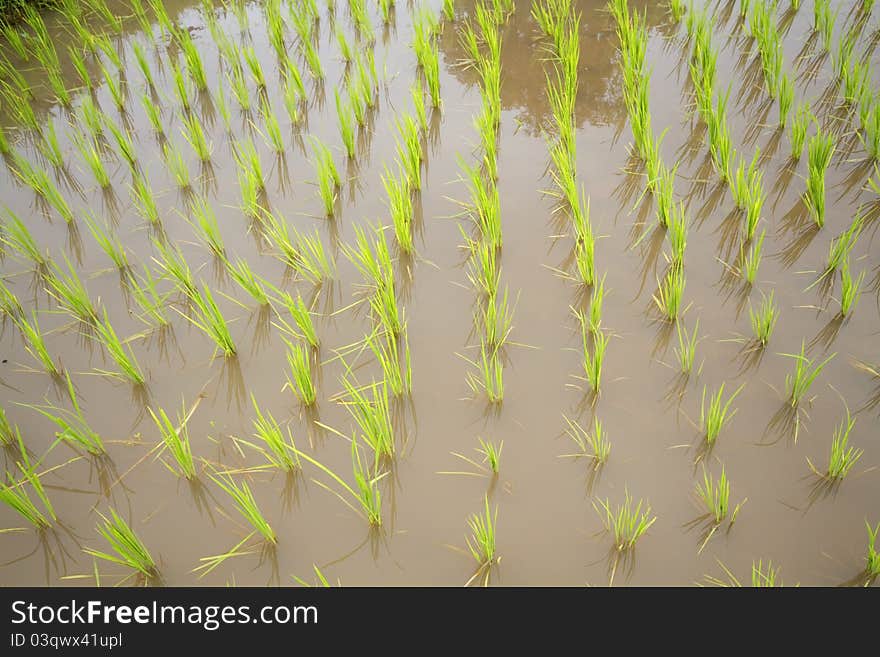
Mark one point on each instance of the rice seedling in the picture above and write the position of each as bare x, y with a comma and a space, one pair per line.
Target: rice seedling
143, 199
386, 7
301, 317
70, 293
177, 166
872, 560
279, 451
181, 87
192, 59
715, 496
798, 383
253, 64
115, 88
626, 523
819, 152
763, 318
344, 46
50, 148
670, 293
38, 180
245, 504
803, 117
449, 9
595, 445
303, 253
150, 301
481, 541
73, 427
129, 369
871, 130
843, 456
483, 272
175, 440
8, 433
128, 550
346, 125
370, 409
717, 414
489, 378
850, 290
313, 59
485, 206
15, 39
395, 362
273, 134
174, 266
248, 281
751, 261
16, 236
154, 114
88, 150
294, 92
249, 164
361, 18
585, 243
687, 347
207, 227
15, 495
10, 306
431, 71
141, 58
300, 378
497, 319
238, 85
594, 344
409, 151
765, 577
35, 343
400, 207
110, 244
193, 132
676, 9
210, 320
823, 21
677, 231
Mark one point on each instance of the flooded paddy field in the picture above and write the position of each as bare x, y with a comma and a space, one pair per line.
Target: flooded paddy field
440, 293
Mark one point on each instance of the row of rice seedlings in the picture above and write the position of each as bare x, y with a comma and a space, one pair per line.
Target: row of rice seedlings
128, 549
300, 379
303, 253
594, 444
73, 428
175, 440
763, 318
120, 352
843, 456
717, 413
211, 320
820, 150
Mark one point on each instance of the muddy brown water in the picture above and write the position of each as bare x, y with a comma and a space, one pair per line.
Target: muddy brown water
548, 532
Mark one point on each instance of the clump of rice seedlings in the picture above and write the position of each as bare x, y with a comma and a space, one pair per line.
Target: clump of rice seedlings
481, 541
90, 155
247, 280
714, 416
7, 432
177, 166
253, 64
16, 236
181, 87
300, 378
128, 550
294, 92
585, 242
79, 64
207, 226
786, 99
687, 347
449, 9
803, 117
110, 244
763, 319
35, 343
344, 46
125, 360
141, 57
720, 144
72, 425
176, 441
843, 455
595, 445
373, 260
798, 383
676, 9
872, 560
10, 306
193, 132
301, 317
70, 292
491, 454
14, 493
823, 21
765, 577
489, 377
850, 290
249, 164
273, 134
50, 148
370, 409
485, 206
670, 293
193, 60
246, 505
400, 207
303, 253
361, 18
143, 199
154, 114
386, 7
409, 151
497, 319
238, 85
346, 125
716, 497
280, 451
38, 179
594, 345
751, 261
211, 320
175, 267
146, 294
431, 71
115, 88
626, 523
124, 144
677, 231
819, 152
483, 272
395, 362
871, 129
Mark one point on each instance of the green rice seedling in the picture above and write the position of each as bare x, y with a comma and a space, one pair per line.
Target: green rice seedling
280, 451
50, 148
490, 375
409, 151
481, 541
248, 161
253, 64
300, 378
483, 270
175, 439
10, 306
101, 8
14, 38
751, 261
38, 179
670, 293
497, 320
273, 134
687, 347
141, 58
177, 166
124, 144
293, 97
431, 71
193, 132
110, 244
70, 292
16, 236
361, 18
303, 253
370, 409
14, 494
114, 87
238, 85
35, 343
677, 233
149, 300
80, 66
207, 227
594, 354
301, 317
154, 114
798, 383
7, 431
595, 445
313, 59
597, 298
246, 505
714, 416
211, 320
485, 206
143, 199
400, 207
72, 425
88, 150
871, 129
418, 98
248, 281
872, 561
193, 60
664, 193
395, 362
843, 456
125, 360
386, 7
850, 290
803, 117
5, 146
823, 21
676, 9
328, 177
346, 125
820, 149
162, 17
626, 523
491, 454
128, 550
181, 87
716, 497
174, 266
763, 318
